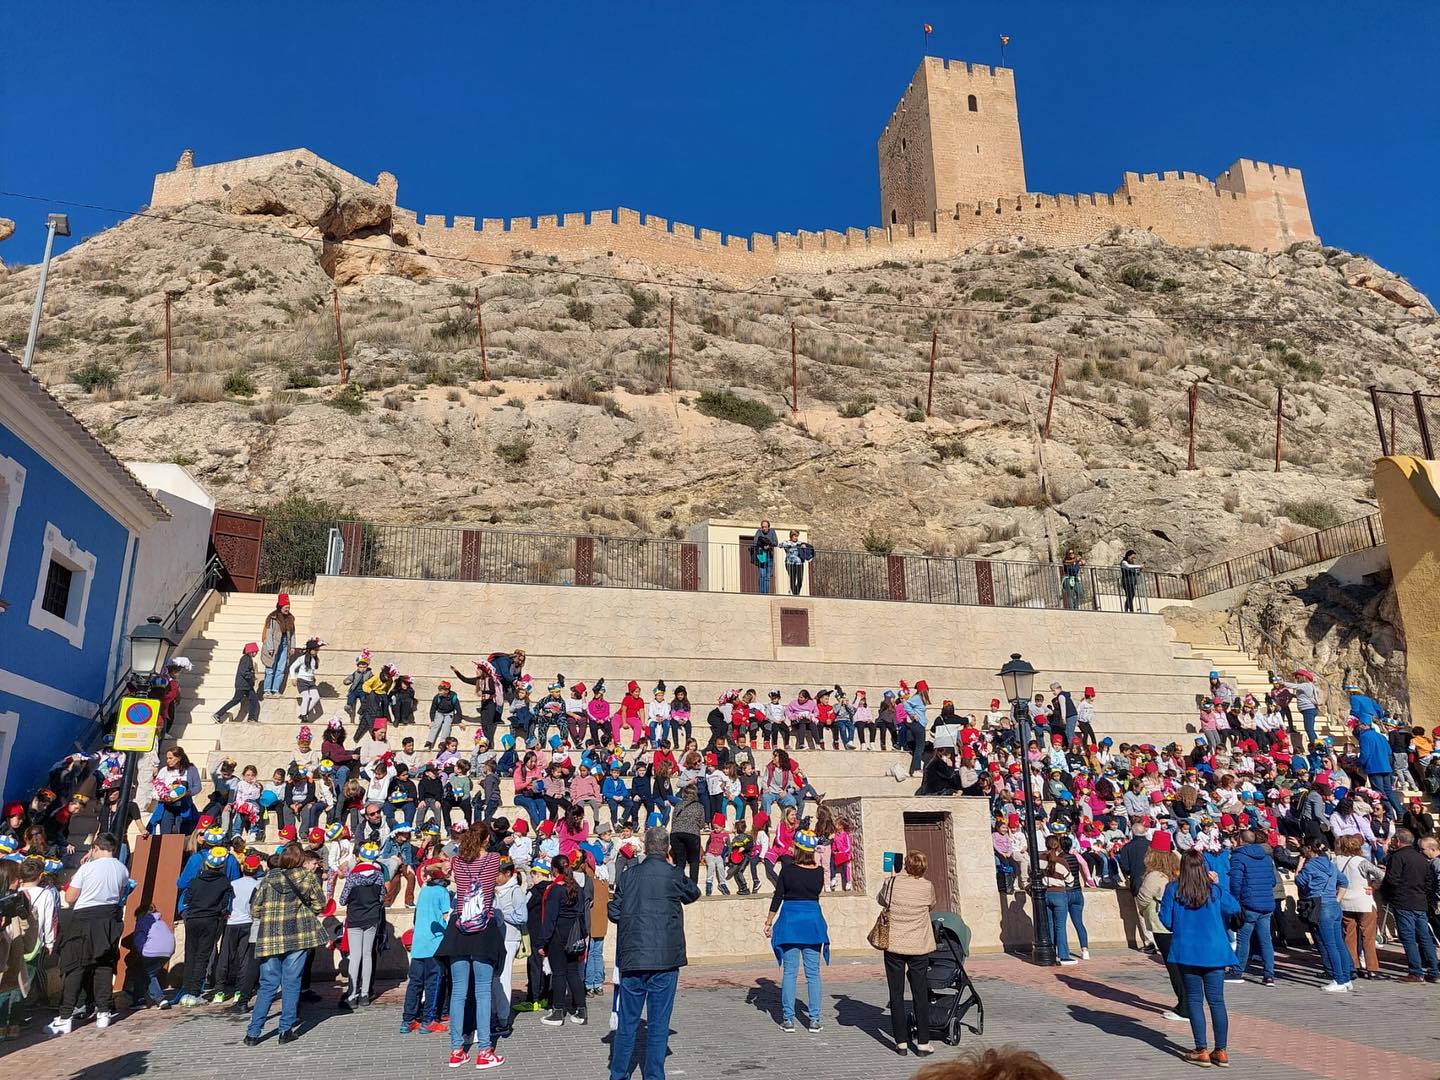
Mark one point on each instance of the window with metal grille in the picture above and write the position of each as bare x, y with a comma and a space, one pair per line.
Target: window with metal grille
795, 627
58, 579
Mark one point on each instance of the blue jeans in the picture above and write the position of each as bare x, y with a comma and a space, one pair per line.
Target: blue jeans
1202, 986
1056, 906
534, 808
770, 798
276, 672
595, 964
1308, 715
1415, 936
1385, 784
789, 973
424, 982
278, 974
652, 992
464, 971
847, 732
1331, 939
1257, 923
764, 587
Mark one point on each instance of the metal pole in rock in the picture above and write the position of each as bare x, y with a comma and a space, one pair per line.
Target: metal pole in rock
1279, 422
934, 348
1050, 407
339, 337
168, 367
480, 327
794, 374
1194, 402
670, 364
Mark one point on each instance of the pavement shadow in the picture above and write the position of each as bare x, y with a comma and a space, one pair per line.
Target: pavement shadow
872, 1019
1123, 1026
1107, 992
764, 996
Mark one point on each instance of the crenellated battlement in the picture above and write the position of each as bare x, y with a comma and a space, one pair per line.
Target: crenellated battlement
952, 176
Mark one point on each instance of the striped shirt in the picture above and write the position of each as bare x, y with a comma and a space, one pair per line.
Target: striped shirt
473, 877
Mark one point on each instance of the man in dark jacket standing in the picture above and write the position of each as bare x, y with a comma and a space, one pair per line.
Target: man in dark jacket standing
1131, 859
1409, 883
1252, 882
646, 908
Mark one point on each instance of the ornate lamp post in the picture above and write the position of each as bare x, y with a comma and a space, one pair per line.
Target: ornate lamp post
150, 645
1018, 679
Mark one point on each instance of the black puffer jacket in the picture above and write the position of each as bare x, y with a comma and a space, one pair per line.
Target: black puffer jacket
646, 910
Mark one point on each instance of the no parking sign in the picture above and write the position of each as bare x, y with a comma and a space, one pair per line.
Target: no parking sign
135, 728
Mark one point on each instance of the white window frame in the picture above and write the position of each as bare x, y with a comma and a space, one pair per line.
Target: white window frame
9, 733
12, 489
82, 564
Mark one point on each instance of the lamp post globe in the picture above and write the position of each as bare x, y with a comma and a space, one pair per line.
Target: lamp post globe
150, 645
1017, 676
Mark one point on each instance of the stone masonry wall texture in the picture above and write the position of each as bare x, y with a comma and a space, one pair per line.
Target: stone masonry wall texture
952, 176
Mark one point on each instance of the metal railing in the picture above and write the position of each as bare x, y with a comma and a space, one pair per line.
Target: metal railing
1358, 534
1407, 421
450, 553
1268, 648
177, 620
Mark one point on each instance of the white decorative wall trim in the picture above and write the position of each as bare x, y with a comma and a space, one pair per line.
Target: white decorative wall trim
82, 565
41, 694
12, 488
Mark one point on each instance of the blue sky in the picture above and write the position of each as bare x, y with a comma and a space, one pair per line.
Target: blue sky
744, 117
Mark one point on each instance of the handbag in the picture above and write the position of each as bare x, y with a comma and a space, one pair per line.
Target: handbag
879, 936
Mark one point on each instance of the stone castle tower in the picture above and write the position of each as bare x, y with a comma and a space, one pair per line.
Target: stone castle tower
954, 138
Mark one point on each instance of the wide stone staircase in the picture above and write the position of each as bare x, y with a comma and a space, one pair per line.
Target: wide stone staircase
1147, 682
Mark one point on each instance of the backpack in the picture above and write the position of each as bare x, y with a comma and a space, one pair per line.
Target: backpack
807, 551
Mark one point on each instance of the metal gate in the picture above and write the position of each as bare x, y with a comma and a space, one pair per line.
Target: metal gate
930, 835
236, 539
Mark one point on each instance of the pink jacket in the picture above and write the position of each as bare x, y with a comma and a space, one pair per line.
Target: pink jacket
524, 778
570, 841
584, 787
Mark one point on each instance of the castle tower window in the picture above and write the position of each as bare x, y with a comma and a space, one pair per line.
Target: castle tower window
974, 103
902, 146
894, 218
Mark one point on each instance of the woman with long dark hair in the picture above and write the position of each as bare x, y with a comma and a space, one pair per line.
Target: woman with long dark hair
561, 924
1162, 866
1322, 886
1194, 909
474, 944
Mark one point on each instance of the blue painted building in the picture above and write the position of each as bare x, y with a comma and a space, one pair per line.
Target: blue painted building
71, 517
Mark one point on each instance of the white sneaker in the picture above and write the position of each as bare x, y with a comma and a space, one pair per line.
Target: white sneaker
1171, 1014
104, 1020
1068, 963
1084, 954
58, 1026
1333, 988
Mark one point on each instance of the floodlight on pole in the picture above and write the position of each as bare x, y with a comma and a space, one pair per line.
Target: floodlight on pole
55, 224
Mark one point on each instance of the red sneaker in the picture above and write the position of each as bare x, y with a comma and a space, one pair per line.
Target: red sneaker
413, 1025
459, 1057
488, 1059
435, 1026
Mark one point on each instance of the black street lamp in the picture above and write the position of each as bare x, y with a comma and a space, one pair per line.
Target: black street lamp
150, 645
1018, 679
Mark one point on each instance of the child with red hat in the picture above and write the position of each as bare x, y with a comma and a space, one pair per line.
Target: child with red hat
277, 638
628, 714
717, 844
235, 946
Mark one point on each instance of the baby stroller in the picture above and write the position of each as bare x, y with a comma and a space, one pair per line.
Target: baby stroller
952, 993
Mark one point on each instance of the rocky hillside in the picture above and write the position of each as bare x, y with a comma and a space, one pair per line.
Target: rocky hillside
575, 430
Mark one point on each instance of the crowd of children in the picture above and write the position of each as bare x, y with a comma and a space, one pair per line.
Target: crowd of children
383, 822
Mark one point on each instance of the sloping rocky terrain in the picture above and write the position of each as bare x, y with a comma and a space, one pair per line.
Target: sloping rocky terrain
576, 431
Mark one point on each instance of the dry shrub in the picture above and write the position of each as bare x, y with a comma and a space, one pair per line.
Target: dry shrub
195, 388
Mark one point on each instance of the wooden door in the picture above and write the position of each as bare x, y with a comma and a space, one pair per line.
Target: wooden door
237, 538
930, 835
749, 572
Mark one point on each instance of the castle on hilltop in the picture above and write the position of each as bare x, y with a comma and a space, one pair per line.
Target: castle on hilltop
952, 175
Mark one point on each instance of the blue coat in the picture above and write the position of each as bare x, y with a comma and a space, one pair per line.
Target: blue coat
1320, 878
1374, 752
1364, 707
1252, 878
1200, 938
1219, 862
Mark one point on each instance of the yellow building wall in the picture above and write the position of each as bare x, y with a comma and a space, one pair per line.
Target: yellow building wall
1409, 493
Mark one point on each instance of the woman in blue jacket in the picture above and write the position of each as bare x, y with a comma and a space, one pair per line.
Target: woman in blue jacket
1194, 909
1321, 886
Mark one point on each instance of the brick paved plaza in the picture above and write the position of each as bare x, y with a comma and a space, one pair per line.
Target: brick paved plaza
1091, 1021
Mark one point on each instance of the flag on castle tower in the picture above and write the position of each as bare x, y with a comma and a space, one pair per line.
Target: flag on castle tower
1004, 39
929, 29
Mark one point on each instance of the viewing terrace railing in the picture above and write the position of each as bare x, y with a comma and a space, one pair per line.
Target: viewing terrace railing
297, 551
1358, 534
448, 553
